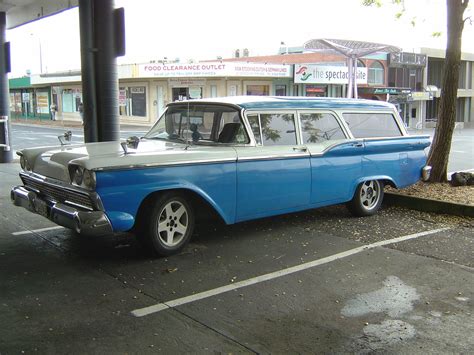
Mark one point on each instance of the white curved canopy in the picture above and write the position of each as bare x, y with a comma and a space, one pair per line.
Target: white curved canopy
349, 48
20, 12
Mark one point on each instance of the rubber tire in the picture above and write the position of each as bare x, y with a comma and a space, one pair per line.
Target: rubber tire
147, 234
356, 207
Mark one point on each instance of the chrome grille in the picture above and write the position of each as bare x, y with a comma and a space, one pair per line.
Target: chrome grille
58, 193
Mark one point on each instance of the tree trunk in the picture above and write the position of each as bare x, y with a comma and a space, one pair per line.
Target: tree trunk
439, 152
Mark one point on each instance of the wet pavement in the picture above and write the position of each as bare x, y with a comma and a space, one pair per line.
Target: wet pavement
311, 282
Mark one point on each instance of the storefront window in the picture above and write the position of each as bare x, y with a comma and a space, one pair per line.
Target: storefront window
185, 93
42, 102
260, 90
376, 74
315, 90
71, 100
213, 90
296, 90
132, 101
280, 90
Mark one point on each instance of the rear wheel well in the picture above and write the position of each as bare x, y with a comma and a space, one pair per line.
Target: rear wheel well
388, 182
202, 208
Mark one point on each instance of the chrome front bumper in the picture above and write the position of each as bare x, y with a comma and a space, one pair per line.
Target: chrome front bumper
93, 223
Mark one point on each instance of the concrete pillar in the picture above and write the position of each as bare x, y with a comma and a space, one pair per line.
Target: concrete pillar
6, 152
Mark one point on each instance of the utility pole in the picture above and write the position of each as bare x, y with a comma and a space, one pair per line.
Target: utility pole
6, 154
102, 41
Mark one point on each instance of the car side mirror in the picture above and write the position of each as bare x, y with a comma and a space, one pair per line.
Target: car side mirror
131, 142
65, 138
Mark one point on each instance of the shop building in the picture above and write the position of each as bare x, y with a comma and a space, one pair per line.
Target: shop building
405, 87
27, 101
325, 74
146, 89
433, 82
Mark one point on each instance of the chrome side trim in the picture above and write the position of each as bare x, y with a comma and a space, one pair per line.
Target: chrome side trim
274, 157
203, 162
334, 145
168, 164
394, 137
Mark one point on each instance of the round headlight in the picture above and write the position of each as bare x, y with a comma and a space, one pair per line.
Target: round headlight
23, 162
89, 179
79, 175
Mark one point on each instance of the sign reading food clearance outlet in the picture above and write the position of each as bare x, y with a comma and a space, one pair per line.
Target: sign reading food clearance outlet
324, 74
214, 69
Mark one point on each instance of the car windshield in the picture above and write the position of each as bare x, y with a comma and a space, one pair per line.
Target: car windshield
198, 123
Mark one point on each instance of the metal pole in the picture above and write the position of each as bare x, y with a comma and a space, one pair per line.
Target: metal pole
106, 71
89, 93
354, 75
99, 69
6, 152
349, 85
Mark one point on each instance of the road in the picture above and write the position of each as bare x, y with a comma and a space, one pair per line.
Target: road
462, 149
27, 136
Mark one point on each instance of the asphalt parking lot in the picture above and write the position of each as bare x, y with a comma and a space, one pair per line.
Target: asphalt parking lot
314, 282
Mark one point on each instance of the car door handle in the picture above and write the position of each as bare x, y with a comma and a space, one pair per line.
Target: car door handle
300, 149
358, 145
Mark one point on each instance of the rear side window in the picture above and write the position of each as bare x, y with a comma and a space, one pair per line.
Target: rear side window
367, 125
278, 129
320, 127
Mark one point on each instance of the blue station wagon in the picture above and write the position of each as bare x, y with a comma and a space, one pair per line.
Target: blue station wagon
240, 157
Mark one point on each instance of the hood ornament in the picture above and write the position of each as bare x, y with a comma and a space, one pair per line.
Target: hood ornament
131, 142
65, 138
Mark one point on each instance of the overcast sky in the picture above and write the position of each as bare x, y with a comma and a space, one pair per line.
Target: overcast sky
206, 29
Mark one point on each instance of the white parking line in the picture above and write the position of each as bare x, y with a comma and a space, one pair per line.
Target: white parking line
273, 275
37, 230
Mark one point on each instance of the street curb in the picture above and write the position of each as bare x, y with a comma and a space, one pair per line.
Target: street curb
428, 205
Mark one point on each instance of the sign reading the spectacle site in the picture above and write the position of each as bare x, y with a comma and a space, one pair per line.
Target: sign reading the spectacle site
323, 74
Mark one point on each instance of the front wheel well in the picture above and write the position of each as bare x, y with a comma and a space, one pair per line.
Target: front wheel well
203, 209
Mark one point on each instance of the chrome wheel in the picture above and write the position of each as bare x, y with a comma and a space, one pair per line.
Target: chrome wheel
173, 223
166, 224
370, 194
367, 198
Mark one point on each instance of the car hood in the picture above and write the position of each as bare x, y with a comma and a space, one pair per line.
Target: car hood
54, 161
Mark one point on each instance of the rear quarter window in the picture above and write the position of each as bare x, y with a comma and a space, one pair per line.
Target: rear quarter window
320, 127
367, 125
